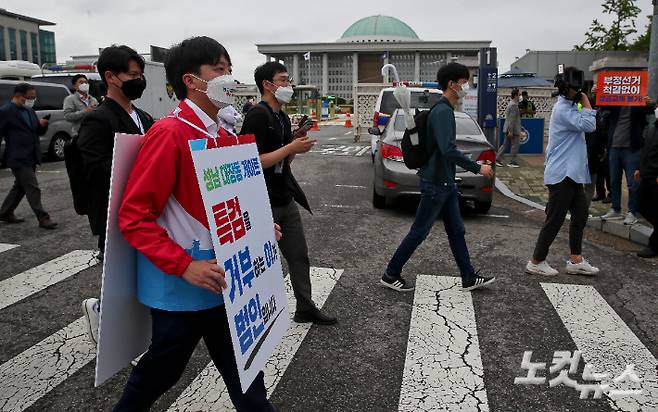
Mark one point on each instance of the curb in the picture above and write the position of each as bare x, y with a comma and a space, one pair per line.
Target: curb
637, 233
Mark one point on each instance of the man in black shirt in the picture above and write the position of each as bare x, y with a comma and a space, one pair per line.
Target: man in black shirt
278, 145
647, 176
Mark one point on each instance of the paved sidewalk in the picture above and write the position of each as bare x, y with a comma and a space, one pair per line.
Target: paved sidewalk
527, 181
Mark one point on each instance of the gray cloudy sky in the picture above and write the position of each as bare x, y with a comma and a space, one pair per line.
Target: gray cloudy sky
514, 26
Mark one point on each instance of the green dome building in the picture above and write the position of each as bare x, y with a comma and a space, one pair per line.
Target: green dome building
364, 47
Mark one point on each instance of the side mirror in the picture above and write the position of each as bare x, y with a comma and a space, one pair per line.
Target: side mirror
375, 131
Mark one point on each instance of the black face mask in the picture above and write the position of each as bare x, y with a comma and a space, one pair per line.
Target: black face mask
134, 88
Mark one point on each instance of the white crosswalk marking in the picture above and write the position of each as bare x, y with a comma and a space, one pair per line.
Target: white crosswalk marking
607, 343
343, 150
208, 392
6, 246
28, 376
24, 284
443, 368
362, 151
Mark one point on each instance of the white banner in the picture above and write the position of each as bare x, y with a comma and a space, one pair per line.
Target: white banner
242, 228
125, 325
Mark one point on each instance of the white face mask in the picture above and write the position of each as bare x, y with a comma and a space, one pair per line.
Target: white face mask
220, 90
229, 115
284, 94
464, 90
655, 113
84, 88
29, 103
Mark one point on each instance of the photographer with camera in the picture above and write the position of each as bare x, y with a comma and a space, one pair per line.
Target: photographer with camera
565, 174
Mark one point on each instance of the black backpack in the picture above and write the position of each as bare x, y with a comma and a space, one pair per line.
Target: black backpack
77, 176
416, 156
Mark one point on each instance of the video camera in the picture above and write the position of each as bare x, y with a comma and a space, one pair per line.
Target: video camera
571, 78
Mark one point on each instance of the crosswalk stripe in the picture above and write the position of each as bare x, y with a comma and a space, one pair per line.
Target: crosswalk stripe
208, 393
362, 151
443, 368
606, 342
28, 376
6, 246
20, 286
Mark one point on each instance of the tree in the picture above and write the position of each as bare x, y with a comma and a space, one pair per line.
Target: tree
644, 41
615, 37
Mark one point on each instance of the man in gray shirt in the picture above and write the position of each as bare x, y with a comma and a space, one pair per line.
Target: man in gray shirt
80, 103
512, 130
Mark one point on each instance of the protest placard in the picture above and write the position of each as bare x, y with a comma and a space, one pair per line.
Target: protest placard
621, 88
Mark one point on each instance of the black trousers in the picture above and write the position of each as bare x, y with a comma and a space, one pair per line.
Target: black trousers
295, 250
25, 184
648, 207
566, 196
175, 335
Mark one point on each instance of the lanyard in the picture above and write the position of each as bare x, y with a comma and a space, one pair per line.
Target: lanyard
192, 125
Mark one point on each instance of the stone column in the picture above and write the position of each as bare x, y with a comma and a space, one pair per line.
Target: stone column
325, 74
385, 63
295, 69
417, 68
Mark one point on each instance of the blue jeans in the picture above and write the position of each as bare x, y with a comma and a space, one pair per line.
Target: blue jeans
435, 201
624, 160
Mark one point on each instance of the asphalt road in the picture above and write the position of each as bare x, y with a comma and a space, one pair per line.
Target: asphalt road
435, 349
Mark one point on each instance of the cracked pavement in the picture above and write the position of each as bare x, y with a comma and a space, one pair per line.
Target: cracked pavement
359, 364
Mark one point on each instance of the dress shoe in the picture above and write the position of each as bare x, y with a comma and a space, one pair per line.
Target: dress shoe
315, 316
11, 218
46, 223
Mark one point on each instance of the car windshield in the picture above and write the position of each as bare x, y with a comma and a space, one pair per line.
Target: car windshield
465, 125
420, 99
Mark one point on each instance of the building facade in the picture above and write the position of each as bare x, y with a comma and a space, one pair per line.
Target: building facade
544, 63
368, 44
21, 38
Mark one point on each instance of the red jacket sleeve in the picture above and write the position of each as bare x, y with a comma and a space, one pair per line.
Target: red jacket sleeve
151, 183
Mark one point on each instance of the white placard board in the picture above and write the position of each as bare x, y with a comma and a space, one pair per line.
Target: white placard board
242, 229
125, 324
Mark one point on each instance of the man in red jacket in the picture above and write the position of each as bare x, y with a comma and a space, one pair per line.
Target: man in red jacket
162, 216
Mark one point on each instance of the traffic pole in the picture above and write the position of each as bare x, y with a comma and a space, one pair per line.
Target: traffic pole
653, 54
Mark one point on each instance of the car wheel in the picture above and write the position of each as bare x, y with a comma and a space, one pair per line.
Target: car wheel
56, 149
482, 207
378, 201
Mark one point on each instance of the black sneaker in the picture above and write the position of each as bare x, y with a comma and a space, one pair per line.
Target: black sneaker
396, 283
647, 253
477, 282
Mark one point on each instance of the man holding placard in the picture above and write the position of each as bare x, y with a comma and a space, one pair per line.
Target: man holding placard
164, 218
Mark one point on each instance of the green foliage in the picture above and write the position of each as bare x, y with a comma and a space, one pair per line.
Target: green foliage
616, 37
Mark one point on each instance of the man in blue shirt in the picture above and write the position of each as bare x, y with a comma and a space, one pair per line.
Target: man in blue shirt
566, 172
439, 194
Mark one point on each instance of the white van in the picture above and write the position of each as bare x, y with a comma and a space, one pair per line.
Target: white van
18, 70
158, 99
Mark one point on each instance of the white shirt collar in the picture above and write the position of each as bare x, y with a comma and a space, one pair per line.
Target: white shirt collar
211, 125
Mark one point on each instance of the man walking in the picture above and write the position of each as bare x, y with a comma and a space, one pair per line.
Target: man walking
80, 103
121, 69
565, 174
278, 146
512, 131
21, 128
439, 194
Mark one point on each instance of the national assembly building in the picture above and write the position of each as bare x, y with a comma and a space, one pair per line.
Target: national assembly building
368, 44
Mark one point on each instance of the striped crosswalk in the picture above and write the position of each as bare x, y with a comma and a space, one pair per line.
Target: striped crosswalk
443, 364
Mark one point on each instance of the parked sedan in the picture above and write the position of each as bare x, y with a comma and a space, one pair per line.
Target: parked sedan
393, 179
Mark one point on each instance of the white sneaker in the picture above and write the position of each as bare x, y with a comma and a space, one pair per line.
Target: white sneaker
92, 310
631, 219
582, 268
612, 215
135, 361
543, 269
